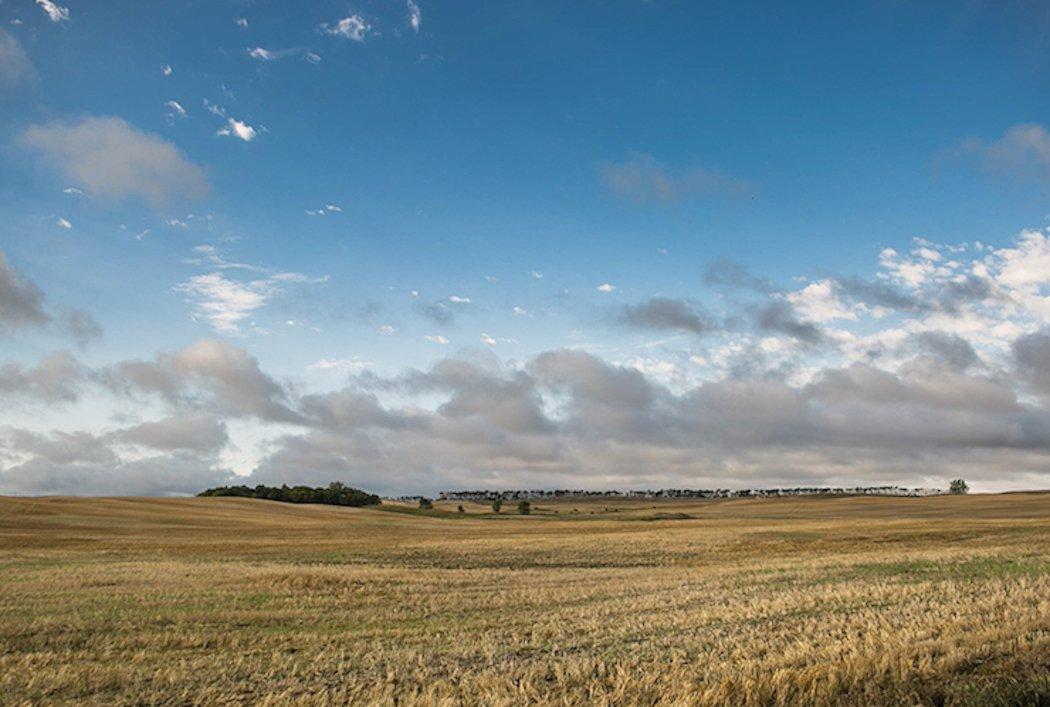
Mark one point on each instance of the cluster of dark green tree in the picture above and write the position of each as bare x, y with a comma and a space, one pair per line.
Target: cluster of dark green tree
335, 494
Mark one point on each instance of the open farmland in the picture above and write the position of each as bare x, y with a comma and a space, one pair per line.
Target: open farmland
776, 601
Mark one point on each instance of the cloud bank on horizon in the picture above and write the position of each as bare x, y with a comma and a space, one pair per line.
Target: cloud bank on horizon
432, 259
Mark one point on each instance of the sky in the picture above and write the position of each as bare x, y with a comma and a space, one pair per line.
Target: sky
417, 246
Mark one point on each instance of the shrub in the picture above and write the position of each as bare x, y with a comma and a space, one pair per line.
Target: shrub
524, 508
461, 509
497, 505
426, 504
336, 494
958, 487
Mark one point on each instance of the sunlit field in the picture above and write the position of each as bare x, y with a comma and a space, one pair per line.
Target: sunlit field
942, 600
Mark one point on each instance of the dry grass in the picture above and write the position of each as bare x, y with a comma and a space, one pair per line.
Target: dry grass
823, 601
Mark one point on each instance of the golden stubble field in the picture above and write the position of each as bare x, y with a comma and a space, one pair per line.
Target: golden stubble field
863, 601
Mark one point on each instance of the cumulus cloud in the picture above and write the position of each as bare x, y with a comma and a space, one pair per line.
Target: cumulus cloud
21, 301
22, 306
210, 375
57, 377
240, 130
193, 432
644, 180
1032, 354
663, 313
109, 158
951, 349
570, 418
780, 317
956, 383
353, 27
61, 463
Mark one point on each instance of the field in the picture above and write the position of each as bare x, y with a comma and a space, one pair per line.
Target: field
942, 600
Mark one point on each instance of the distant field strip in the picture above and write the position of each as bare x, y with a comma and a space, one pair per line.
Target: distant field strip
942, 600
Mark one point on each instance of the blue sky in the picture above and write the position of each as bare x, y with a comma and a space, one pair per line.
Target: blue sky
344, 193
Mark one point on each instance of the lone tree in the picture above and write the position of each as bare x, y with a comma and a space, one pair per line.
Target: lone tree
958, 487
426, 504
461, 509
524, 508
497, 505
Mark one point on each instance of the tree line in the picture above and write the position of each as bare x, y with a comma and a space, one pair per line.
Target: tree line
335, 494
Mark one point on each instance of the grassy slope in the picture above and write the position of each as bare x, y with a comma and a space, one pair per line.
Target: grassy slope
851, 600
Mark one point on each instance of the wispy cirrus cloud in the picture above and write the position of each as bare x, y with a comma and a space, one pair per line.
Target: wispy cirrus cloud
227, 303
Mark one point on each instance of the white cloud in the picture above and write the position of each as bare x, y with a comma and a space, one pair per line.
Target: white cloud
1027, 263
72, 190
324, 210
606, 287
56, 13
415, 17
166, 70
240, 21
226, 303
175, 110
346, 365
235, 128
488, 340
353, 27
63, 223
521, 311
386, 330
537, 275
456, 299
261, 54
820, 302
436, 339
